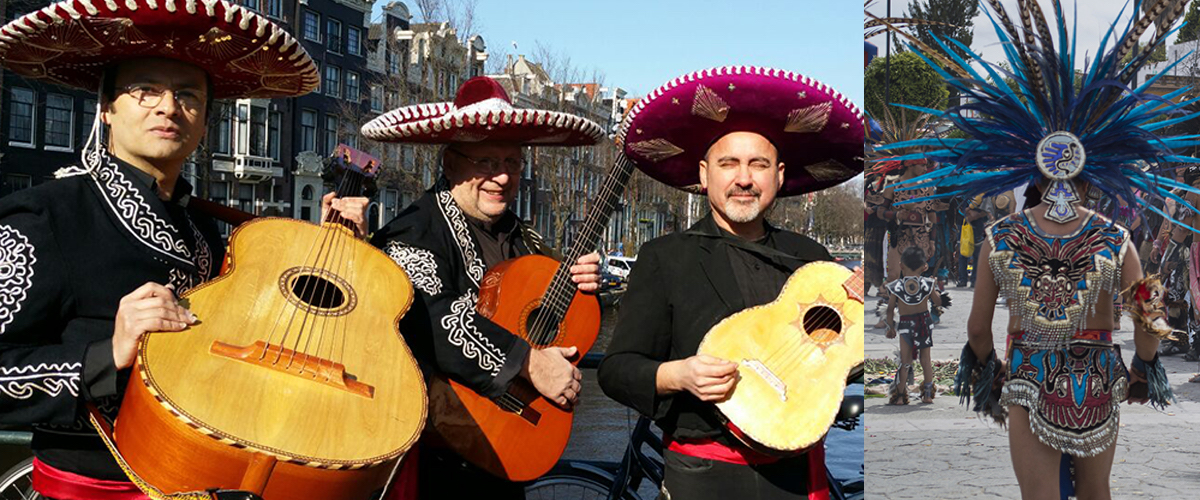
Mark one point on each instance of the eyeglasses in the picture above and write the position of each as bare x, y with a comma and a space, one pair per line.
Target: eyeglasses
150, 95
493, 166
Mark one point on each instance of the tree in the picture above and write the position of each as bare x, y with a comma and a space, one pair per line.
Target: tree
1190, 31
957, 16
913, 82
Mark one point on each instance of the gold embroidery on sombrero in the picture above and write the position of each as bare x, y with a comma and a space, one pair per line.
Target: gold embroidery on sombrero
709, 105
829, 170
655, 149
809, 119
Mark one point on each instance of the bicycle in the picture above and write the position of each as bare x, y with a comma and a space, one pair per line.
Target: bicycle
596, 480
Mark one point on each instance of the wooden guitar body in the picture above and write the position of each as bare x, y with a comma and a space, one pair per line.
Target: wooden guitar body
295, 383
794, 356
521, 437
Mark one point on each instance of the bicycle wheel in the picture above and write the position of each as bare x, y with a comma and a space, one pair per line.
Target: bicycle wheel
17, 482
572, 484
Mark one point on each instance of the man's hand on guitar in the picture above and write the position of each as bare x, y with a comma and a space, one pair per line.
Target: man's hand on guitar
150, 308
553, 376
586, 272
352, 209
706, 377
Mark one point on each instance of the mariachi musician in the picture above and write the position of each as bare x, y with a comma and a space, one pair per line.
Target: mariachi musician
93, 260
743, 136
447, 239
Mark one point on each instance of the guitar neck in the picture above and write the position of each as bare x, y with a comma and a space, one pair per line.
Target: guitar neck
854, 285
561, 289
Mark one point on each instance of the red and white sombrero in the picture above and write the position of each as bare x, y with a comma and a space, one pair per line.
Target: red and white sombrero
481, 111
818, 132
72, 42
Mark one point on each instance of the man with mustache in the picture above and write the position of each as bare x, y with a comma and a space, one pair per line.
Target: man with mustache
446, 241
742, 138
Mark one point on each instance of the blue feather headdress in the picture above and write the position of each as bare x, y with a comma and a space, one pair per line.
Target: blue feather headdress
1030, 122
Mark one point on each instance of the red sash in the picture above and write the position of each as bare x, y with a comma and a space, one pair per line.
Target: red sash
818, 484
64, 485
404, 486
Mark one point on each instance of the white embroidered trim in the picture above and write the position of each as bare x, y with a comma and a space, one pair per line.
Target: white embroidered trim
135, 214
16, 272
462, 234
419, 264
19, 382
184, 280
461, 325
82, 426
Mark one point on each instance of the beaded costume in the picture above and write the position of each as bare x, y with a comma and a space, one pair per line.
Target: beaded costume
1071, 380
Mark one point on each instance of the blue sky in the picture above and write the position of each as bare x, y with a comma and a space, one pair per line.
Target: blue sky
641, 44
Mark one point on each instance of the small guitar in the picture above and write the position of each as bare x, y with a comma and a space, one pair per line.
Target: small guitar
521, 435
794, 356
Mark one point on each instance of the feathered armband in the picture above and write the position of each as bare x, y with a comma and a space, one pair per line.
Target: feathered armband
983, 381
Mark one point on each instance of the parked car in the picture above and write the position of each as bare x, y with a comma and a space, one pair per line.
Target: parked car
618, 266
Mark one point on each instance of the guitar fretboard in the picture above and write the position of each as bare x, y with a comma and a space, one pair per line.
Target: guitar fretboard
854, 285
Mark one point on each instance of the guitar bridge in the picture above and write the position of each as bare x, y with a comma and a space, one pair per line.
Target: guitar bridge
768, 376
284, 360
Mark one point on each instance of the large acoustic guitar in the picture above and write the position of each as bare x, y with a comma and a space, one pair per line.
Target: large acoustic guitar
520, 435
295, 383
794, 356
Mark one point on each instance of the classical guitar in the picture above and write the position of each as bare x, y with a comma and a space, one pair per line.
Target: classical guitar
520, 435
295, 383
794, 356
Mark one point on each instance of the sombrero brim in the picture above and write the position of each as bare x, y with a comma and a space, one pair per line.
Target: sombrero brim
444, 123
819, 134
72, 42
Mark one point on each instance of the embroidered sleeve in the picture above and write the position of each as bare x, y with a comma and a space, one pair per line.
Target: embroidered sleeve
41, 377
418, 263
443, 326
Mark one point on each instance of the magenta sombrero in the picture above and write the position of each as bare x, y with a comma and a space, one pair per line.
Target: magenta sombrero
818, 132
481, 111
73, 41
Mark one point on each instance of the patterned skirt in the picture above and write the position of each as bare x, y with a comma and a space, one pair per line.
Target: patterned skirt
1073, 394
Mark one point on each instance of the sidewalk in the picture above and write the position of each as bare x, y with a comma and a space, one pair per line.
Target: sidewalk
942, 450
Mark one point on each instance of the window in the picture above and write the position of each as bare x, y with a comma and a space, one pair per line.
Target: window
246, 197
308, 130
312, 26
393, 62
275, 8
60, 115
243, 129
258, 131
352, 91
333, 35
376, 98
89, 115
20, 118
353, 41
254, 5
273, 135
350, 137
331, 133
333, 81
222, 129
305, 209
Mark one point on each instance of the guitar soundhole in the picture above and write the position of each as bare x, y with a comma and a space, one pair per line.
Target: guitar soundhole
823, 324
318, 292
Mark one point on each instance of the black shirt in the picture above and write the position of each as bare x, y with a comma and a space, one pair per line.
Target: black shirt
759, 278
497, 241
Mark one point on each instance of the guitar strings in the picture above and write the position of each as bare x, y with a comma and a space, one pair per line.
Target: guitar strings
321, 243
330, 291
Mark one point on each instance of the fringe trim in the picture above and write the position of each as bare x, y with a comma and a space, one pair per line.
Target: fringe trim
1084, 444
981, 379
1160, 393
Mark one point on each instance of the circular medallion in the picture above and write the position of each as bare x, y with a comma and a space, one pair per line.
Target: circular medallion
1060, 156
